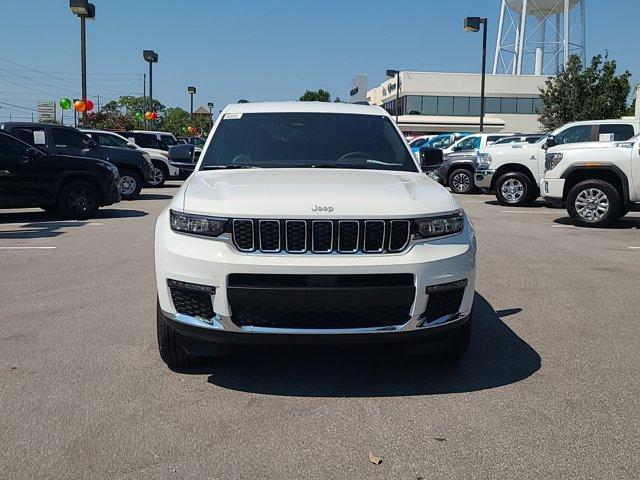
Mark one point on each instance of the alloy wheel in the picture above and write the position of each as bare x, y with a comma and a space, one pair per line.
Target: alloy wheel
80, 200
592, 204
461, 182
512, 190
157, 176
127, 185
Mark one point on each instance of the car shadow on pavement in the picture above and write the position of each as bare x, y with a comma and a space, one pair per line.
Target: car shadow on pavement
154, 196
496, 357
625, 223
44, 217
535, 204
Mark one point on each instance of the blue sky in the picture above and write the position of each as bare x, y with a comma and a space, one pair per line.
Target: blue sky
259, 50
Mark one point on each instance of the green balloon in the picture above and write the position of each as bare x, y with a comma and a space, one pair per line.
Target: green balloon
184, 129
65, 103
138, 116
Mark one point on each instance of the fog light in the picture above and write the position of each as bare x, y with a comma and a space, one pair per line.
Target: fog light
443, 287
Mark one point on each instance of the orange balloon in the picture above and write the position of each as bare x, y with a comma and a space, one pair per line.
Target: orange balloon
148, 115
79, 106
88, 105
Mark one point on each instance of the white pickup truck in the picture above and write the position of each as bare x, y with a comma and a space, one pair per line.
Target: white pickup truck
599, 182
514, 171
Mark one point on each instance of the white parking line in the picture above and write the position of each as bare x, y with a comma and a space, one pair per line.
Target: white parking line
27, 248
562, 226
634, 248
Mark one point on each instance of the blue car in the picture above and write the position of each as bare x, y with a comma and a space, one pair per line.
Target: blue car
442, 141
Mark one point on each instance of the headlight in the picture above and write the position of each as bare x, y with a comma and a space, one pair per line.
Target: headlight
196, 224
551, 160
483, 160
440, 226
111, 167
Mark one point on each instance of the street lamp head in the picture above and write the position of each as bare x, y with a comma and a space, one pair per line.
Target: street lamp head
392, 73
83, 8
150, 56
472, 24
191, 90
210, 104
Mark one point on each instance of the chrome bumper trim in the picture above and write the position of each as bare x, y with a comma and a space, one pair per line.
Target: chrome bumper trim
482, 178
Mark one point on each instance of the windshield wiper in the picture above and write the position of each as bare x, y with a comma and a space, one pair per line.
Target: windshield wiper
225, 167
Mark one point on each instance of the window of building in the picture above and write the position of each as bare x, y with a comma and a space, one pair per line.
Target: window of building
537, 105
525, 106
445, 105
474, 106
461, 106
492, 105
429, 105
413, 105
508, 105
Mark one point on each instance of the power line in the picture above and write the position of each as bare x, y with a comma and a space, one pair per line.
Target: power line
18, 106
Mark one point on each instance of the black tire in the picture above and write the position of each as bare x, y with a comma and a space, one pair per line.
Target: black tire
171, 351
591, 214
159, 175
461, 181
130, 184
519, 190
78, 200
459, 345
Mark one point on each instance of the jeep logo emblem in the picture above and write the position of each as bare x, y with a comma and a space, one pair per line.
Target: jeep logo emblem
319, 208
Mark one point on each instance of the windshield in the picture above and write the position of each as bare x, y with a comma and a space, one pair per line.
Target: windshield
441, 141
168, 140
419, 142
307, 140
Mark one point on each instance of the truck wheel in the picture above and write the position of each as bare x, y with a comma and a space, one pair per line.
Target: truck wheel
79, 200
593, 203
171, 351
461, 181
158, 175
624, 209
130, 184
514, 190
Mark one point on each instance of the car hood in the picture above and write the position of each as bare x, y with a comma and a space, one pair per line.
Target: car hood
583, 146
313, 193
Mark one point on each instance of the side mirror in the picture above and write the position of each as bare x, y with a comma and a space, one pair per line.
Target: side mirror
430, 158
31, 153
91, 144
183, 156
550, 142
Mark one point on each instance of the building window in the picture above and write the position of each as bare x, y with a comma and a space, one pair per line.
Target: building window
508, 105
413, 105
429, 105
537, 105
491, 105
445, 105
461, 106
474, 106
525, 106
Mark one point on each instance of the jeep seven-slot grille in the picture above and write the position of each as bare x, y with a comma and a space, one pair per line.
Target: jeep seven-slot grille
321, 236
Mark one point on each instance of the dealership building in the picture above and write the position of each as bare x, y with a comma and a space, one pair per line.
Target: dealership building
432, 102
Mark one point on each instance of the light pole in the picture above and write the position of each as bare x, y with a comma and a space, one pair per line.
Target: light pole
191, 91
84, 10
210, 105
151, 57
396, 73
472, 24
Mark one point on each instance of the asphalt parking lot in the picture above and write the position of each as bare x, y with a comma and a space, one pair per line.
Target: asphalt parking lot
549, 388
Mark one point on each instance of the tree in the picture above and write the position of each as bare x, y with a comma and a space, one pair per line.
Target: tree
577, 93
316, 96
107, 121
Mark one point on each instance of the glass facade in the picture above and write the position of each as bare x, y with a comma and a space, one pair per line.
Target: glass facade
463, 106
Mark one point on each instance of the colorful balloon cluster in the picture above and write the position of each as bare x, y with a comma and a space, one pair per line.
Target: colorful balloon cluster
150, 115
78, 105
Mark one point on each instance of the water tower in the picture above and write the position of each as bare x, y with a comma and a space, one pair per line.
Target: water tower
538, 36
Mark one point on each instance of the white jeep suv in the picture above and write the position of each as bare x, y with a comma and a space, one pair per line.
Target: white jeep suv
311, 222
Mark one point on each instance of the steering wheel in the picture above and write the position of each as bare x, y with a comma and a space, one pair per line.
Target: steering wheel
354, 154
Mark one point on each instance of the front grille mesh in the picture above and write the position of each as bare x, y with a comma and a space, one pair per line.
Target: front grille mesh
321, 236
192, 303
443, 303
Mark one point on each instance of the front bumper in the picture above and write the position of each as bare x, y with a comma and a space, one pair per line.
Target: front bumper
210, 262
483, 179
111, 193
552, 188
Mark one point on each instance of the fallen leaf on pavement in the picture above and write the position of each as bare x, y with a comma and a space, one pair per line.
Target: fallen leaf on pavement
376, 460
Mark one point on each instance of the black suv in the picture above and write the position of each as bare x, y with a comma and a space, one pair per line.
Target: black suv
134, 167
73, 186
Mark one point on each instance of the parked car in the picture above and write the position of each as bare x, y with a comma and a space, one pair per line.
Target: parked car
162, 169
598, 182
514, 171
197, 141
73, 186
311, 222
525, 138
417, 142
134, 167
445, 140
152, 139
